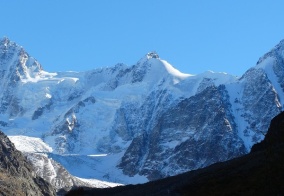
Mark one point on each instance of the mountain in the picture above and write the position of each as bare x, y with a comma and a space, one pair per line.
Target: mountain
261, 172
131, 124
17, 176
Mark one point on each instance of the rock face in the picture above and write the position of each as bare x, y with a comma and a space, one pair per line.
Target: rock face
53, 172
149, 120
204, 128
17, 176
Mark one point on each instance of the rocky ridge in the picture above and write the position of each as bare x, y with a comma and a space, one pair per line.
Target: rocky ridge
17, 176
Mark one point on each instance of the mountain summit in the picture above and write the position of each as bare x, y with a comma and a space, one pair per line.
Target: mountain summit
15, 58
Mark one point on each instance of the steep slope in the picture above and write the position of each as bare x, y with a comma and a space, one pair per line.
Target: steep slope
185, 138
261, 172
51, 171
130, 124
17, 176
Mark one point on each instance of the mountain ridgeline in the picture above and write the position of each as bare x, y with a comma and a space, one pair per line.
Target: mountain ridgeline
146, 121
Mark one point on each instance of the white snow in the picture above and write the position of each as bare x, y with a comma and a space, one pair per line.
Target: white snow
30, 144
47, 95
99, 183
173, 71
97, 155
235, 93
96, 169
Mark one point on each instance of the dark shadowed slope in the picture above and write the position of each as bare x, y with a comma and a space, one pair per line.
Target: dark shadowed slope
16, 173
261, 172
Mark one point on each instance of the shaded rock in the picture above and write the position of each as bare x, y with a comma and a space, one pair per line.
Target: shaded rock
16, 173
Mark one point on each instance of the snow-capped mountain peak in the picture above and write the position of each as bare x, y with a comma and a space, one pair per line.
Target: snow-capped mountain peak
16, 63
148, 56
276, 52
151, 56
158, 68
4, 42
149, 120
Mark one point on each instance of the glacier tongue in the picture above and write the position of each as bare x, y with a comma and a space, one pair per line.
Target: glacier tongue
149, 120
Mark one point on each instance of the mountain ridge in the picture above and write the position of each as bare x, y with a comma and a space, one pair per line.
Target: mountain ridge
148, 122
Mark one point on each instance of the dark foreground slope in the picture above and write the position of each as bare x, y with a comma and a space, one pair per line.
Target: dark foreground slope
261, 172
16, 174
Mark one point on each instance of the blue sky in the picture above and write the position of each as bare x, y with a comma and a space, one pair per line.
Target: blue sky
194, 36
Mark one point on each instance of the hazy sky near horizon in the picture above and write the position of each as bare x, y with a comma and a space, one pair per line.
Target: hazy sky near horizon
194, 36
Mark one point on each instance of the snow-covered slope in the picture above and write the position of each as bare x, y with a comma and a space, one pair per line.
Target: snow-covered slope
130, 124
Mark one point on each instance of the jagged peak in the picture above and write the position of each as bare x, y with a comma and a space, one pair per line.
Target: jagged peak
281, 43
4, 41
15, 58
149, 55
153, 54
155, 67
277, 51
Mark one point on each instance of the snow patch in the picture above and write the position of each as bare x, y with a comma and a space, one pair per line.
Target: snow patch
174, 72
99, 183
267, 66
235, 93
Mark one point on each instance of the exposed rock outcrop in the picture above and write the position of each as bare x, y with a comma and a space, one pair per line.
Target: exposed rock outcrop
17, 176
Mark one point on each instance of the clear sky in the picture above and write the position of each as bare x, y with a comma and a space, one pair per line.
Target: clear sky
194, 36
